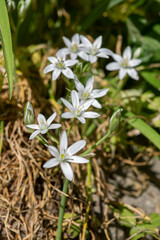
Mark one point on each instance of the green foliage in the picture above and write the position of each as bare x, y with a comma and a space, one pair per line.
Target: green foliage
5, 35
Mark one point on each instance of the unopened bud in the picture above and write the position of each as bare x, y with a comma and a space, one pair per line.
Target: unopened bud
137, 52
78, 68
115, 120
87, 67
28, 114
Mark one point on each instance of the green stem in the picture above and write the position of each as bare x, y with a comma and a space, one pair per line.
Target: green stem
120, 87
1, 135
71, 127
52, 138
96, 144
43, 141
61, 211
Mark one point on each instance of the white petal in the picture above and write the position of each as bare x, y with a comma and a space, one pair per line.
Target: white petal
52, 59
89, 84
67, 115
106, 51
127, 53
96, 104
67, 42
83, 55
77, 159
133, 74
34, 134
69, 63
53, 151
41, 119
33, 126
49, 68
75, 39
51, 118
67, 104
117, 57
90, 115
97, 93
63, 142
75, 98
54, 126
73, 56
78, 84
92, 59
63, 50
67, 170
122, 73
134, 62
87, 104
76, 147
112, 66
43, 131
81, 119
102, 55
68, 73
56, 74
85, 42
51, 163
98, 42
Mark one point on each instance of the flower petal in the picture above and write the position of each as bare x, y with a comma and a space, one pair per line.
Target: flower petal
51, 163
134, 62
106, 51
90, 115
67, 104
41, 119
76, 147
81, 119
112, 66
55, 74
67, 42
70, 63
92, 59
122, 73
78, 84
96, 104
54, 126
67, 170
34, 134
127, 53
133, 74
85, 42
63, 142
77, 159
75, 39
73, 56
75, 98
68, 73
98, 42
49, 68
87, 104
89, 84
117, 57
52, 59
97, 93
67, 115
33, 126
64, 50
53, 151
51, 118
83, 55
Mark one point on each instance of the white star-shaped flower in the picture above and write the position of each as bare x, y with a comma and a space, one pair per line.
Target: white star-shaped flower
43, 126
124, 64
73, 48
59, 65
65, 155
88, 93
78, 109
94, 50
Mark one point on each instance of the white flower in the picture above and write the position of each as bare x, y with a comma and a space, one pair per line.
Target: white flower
73, 48
43, 126
59, 65
94, 50
87, 92
65, 155
124, 64
77, 109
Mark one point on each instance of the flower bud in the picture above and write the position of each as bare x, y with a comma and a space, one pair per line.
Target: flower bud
115, 120
78, 68
28, 114
137, 52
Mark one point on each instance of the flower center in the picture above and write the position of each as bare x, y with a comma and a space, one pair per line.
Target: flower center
125, 63
77, 111
74, 48
60, 64
93, 51
85, 96
43, 125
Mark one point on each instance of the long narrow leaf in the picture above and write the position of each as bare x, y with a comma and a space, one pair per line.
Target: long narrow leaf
144, 128
5, 35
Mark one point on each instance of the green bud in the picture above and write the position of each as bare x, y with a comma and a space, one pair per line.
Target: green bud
78, 68
115, 120
87, 67
28, 114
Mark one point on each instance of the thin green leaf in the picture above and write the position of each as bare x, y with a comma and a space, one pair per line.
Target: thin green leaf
152, 78
5, 35
144, 128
